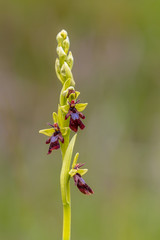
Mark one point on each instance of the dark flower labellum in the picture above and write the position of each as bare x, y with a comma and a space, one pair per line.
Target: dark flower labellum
75, 116
54, 139
82, 186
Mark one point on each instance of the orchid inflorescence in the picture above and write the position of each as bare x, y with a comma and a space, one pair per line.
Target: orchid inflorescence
67, 118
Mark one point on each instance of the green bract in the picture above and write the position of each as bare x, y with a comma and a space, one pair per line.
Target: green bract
55, 117
66, 85
64, 178
65, 108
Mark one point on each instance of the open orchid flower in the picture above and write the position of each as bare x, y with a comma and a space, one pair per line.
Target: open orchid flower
54, 139
74, 114
77, 173
82, 186
56, 134
79, 181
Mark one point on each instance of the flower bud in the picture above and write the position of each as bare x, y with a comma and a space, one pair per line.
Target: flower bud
68, 91
70, 60
61, 36
64, 34
61, 52
66, 44
66, 72
58, 70
59, 39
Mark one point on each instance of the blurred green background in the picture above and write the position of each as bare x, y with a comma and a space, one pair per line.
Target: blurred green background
116, 47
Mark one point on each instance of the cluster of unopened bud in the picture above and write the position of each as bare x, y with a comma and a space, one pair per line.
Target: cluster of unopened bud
64, 63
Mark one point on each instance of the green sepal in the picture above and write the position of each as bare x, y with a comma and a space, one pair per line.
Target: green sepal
82, 171
81, 106
64, 177
48, 132
65, 108
55, 117
77, 94
72, 172
75, 160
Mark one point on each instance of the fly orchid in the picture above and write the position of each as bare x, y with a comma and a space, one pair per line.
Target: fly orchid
68, 117
73, 110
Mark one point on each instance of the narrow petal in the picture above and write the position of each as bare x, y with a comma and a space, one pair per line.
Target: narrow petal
68, 114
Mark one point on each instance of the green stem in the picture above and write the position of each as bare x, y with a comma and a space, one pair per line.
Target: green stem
66, 221
65, 189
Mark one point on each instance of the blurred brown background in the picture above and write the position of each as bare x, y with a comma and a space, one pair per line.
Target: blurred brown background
116, 47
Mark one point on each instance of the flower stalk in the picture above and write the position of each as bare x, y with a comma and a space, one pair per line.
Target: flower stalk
67, 118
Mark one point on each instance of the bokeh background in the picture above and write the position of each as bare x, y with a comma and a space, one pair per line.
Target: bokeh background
116, 47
